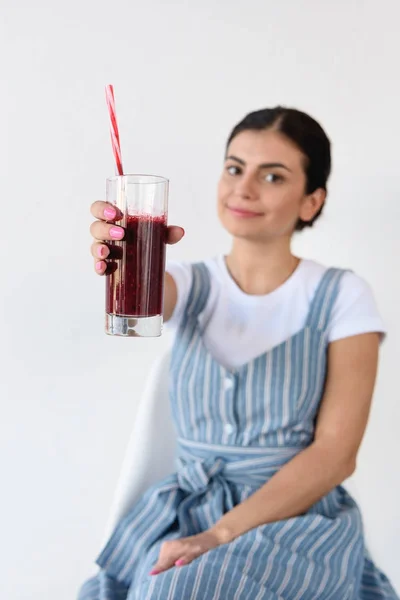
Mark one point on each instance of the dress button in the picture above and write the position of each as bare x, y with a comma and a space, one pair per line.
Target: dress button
228, 383
228, 428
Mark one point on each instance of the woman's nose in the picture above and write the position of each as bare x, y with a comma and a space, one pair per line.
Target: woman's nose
246, 188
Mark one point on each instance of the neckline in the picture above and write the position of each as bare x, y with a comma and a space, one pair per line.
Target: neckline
307, 326
245, 366
272, 296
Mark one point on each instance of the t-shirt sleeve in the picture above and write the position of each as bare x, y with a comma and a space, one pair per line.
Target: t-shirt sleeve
182, 275
355, 310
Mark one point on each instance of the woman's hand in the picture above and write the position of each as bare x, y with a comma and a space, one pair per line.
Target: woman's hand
184, 550
106, 229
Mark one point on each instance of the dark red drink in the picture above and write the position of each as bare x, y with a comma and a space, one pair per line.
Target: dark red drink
136, 286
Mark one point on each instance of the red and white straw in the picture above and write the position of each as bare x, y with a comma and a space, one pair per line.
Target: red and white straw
116, 146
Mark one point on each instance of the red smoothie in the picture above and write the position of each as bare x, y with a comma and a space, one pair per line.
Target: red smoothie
136, 287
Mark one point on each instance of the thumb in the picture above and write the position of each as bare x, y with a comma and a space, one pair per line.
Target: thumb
174, 234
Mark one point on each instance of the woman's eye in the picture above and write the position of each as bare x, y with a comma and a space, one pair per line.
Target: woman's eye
273, 178
232, 170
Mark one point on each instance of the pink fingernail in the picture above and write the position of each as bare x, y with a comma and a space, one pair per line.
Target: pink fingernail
180, 562
154, 572
109, 213
117, 233
102, 252
99, 265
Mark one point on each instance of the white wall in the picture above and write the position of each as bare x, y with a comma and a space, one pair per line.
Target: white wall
184, 74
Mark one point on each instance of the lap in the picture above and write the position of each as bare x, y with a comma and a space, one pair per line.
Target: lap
303, 557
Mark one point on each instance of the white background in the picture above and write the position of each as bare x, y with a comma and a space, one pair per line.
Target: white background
184, 74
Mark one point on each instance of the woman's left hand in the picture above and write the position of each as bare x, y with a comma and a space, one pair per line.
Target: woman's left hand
182, 551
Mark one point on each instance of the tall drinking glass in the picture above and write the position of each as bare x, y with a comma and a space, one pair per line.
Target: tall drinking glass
135, 285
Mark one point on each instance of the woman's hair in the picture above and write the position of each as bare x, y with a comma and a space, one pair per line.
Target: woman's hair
303, 131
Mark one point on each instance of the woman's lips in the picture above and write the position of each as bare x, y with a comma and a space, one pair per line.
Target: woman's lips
244, 214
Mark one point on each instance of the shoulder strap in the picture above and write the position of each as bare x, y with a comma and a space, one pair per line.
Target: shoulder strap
324, 299
199, 291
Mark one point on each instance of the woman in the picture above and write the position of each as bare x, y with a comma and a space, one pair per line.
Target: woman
272, 375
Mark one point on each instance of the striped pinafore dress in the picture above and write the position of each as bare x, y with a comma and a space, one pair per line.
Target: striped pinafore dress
235, 429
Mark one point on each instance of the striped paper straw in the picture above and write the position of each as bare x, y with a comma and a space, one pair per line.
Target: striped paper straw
116, 146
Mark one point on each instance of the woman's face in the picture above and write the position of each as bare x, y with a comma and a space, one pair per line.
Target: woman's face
261, 193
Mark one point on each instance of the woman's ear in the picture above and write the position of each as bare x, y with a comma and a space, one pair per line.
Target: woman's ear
312, 204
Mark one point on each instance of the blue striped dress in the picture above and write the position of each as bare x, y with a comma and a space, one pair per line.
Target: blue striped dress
235, 429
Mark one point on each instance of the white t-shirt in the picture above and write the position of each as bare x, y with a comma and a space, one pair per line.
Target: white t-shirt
237, 327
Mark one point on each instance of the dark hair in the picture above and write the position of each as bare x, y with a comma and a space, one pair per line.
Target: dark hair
308, 136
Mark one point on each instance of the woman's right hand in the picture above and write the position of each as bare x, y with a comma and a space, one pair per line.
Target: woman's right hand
106, 229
